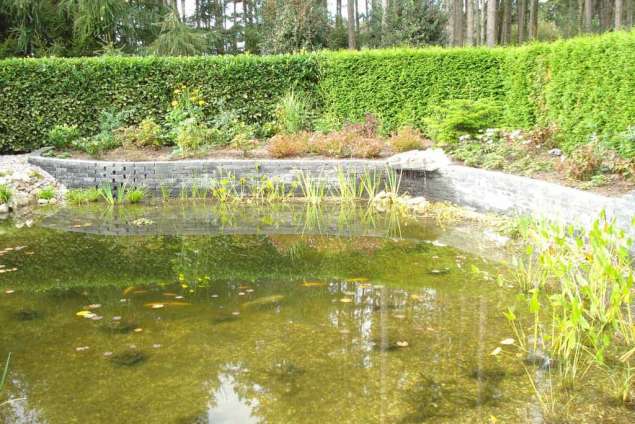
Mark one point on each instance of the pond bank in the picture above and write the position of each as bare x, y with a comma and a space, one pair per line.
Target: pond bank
25, 180
423, 173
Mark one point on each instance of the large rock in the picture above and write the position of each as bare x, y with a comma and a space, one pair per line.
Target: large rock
421, 160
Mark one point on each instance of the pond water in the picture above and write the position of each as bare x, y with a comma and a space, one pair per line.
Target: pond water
194, 314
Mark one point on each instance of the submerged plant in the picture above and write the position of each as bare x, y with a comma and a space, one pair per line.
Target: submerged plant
3, 377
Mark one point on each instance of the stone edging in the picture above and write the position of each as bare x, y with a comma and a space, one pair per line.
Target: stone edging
482, 190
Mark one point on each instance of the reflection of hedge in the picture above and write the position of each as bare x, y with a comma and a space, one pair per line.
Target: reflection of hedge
583, 85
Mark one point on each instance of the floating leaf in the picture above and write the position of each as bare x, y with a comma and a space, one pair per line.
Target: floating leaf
313, 284
402, 343
357, 280
496, 351
346, 300
85, 314
94, 306
508, 341
9, 291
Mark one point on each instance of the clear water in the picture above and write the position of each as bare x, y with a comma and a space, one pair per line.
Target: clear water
249, 315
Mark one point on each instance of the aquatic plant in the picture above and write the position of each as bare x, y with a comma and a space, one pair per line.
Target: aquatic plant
349, 187
584, 280
165, 192
135, 195
78, 196
370, 182
106, 192
46, 193
313, 189
5, 193
3, 377
392, 182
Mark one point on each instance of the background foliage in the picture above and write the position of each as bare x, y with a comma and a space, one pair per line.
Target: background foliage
583, 86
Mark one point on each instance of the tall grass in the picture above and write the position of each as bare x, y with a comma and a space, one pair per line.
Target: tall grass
292, 113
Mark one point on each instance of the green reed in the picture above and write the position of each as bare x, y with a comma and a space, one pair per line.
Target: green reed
313, 189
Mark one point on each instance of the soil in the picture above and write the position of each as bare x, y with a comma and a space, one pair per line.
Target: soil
615, 186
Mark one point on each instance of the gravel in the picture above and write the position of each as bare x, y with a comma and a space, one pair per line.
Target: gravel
25, 181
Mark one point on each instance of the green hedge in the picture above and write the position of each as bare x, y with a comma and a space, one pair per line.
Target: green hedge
36, 94
583, 85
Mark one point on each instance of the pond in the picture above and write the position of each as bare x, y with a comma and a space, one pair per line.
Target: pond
208, 314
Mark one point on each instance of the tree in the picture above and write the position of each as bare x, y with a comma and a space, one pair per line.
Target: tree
588, 15
178, 39
533, 19
619, 10
350, 7
469, 22
491, 23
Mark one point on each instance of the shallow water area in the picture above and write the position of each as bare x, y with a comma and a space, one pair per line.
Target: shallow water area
199, 313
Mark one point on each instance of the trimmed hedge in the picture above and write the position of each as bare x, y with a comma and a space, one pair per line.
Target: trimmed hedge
584, 85
36, 94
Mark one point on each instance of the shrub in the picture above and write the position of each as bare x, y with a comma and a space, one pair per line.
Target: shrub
345, 143
5, 194
288, 145
408, 138
97, 144
292, 113
46, 193
455, 118
624, 142
191, 136
62, 136
585, 161
147, 134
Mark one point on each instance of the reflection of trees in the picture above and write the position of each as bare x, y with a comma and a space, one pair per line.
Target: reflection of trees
305, 357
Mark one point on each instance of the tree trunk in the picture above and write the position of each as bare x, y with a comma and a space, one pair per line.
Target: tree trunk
588, 15
458, 22
384, 15
469, 23
533, 19
450, 23
619, 10
350, 7
629, 13
338, 12
356, 16
522, 21
219, 24
506, 30
606, 14
483, 24
491, 23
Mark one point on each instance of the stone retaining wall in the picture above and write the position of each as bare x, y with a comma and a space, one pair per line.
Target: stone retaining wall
179, 175
484, 191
